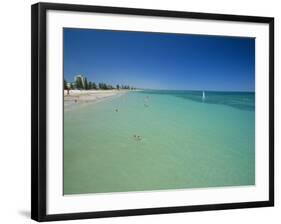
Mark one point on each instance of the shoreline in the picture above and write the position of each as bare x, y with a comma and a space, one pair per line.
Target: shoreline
78, 97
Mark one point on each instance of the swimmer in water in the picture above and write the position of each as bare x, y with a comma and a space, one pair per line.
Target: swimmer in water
137, 137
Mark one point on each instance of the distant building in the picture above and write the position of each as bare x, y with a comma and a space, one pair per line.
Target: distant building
83, 80
68, 85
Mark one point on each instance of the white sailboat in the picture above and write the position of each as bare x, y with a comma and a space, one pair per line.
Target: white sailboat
203, 95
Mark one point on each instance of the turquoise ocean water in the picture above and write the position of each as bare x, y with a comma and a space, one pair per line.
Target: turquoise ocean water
185, 142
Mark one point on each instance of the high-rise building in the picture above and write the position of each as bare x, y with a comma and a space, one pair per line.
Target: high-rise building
83, 80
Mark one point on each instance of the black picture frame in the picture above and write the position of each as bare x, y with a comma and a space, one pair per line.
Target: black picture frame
38, 109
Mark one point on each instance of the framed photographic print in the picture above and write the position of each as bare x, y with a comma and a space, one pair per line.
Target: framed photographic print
138, 111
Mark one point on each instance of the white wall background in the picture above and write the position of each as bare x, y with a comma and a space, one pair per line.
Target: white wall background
15, 110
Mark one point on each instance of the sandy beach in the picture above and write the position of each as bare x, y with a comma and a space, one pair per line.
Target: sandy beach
88, 96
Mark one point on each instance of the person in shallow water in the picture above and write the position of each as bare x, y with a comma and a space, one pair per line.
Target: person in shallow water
146, 101
137, 137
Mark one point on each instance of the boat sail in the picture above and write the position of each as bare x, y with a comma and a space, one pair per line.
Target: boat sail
203, 95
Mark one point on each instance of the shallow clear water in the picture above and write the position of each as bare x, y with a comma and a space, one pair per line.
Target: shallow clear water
185, 142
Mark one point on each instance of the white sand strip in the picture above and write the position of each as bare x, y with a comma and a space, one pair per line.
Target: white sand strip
88, 96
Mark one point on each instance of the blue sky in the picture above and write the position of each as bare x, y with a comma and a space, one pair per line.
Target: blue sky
160, 61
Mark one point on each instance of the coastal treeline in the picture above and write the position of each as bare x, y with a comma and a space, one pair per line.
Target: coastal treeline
81, 82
